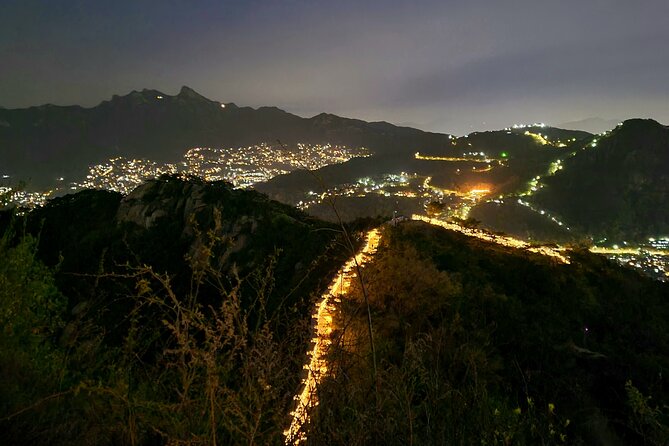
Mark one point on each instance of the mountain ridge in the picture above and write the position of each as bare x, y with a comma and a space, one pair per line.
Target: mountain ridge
618, 187
53, 141
592, 125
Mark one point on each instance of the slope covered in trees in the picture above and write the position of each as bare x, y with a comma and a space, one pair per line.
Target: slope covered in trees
480, 344
181, 313
618, 188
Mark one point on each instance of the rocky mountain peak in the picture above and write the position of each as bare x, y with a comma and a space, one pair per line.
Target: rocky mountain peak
189, 93
160, 198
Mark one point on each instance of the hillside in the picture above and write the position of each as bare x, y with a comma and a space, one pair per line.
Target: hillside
166, 222
619, 188
481, 344
116, 303
45, 142
181, 313
521, 155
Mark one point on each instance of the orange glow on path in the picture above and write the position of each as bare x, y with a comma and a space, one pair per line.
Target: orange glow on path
499, 239
316, 365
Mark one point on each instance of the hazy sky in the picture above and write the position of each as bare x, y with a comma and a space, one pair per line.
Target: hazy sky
449, 66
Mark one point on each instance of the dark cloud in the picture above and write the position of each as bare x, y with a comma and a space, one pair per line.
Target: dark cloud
569, 70
444, 65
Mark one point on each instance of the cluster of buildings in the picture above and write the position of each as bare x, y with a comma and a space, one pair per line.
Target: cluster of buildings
452, 203
652, 264
246, 166
651, 258
387, 185
22, 198
242, 167
122, 174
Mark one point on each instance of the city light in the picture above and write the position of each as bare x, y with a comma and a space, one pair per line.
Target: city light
472, 157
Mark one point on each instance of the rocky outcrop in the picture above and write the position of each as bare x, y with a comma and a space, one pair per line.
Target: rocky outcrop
196, 213
158, 199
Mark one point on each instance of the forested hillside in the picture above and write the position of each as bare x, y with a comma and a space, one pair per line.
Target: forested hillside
480, 344
617, 187
181, 313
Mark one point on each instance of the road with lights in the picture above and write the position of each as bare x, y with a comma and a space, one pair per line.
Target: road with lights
504, 240
316, 365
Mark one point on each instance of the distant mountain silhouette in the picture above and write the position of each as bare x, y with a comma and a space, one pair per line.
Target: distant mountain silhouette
592, 125
618, 189
48, 141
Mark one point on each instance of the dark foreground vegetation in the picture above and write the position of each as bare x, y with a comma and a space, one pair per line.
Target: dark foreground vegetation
481, 345
179, 314
176, 315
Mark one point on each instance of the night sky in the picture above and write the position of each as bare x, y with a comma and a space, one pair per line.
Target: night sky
451, 66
